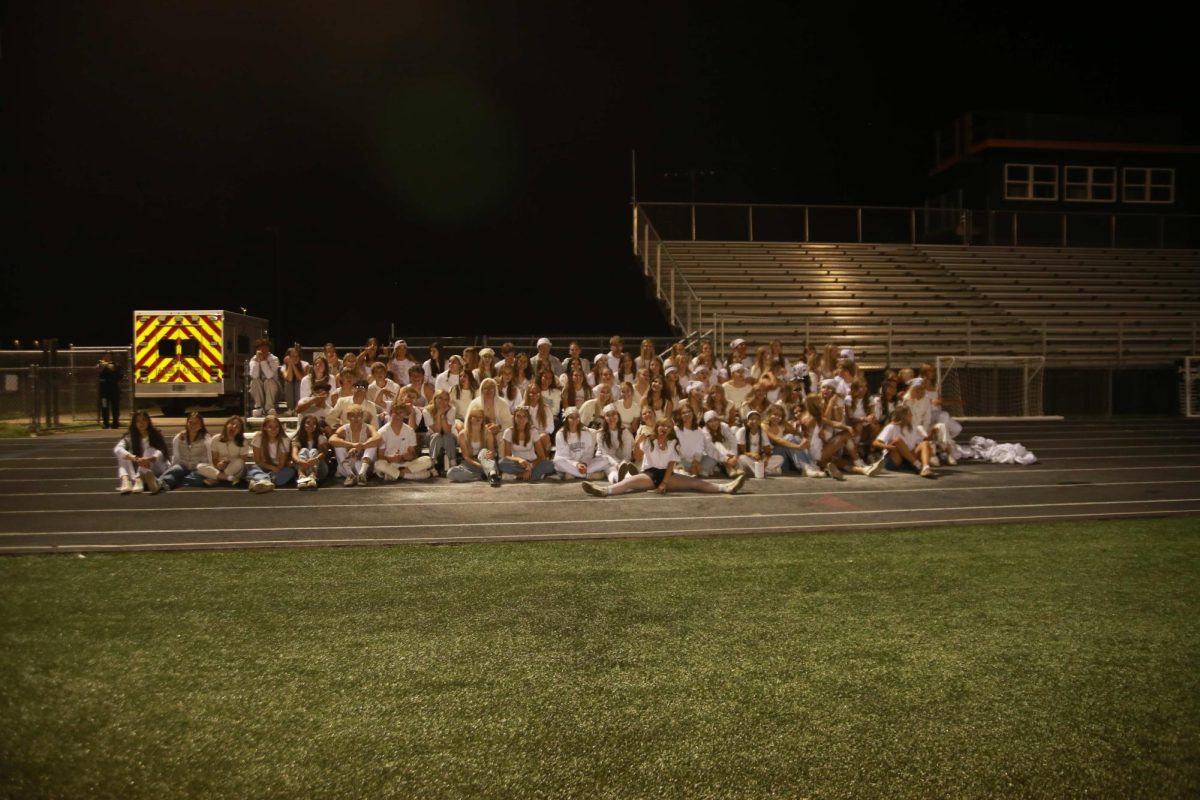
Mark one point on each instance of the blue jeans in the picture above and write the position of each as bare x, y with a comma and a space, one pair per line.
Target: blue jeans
281, 478
180, 475
542, 469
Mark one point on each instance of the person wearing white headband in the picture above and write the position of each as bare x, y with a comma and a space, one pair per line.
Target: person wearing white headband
721, 444
689, 433
755, 454
575, 449
737, 388
739, 355
615, 444
487, 365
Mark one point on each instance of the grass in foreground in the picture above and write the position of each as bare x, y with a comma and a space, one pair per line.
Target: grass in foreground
1047, 660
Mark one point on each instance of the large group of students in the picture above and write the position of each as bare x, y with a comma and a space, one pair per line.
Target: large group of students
627, 422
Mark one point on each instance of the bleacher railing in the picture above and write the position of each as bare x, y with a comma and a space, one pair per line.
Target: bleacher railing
750, 222
685, 309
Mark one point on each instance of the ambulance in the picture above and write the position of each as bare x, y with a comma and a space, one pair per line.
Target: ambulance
193, 355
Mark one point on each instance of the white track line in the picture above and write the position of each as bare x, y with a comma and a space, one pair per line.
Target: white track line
1039, 468
925, 487
607, 534
614, 520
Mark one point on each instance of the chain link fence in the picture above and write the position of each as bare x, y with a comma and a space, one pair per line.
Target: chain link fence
48, 389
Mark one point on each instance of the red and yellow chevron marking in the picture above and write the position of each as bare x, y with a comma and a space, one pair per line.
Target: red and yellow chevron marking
149, 330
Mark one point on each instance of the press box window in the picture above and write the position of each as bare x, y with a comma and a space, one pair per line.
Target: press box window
1030, 182
1144, 185
1090, 184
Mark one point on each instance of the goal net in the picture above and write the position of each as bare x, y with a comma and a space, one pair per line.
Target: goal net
1191, 386
994, 387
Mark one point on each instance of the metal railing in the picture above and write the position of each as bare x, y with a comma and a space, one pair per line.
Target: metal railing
685, 309
747, 222
49, 392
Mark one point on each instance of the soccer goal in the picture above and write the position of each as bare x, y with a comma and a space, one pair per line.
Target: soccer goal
1191, 386
992, 387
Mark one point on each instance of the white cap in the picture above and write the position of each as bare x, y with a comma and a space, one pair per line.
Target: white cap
671, 368
737, 343
694, 386
487, 351
915, 382
846, 352
710, 414
737, 367
610, 409
830, 383
800, 369
543, 341
398, 343
569, 410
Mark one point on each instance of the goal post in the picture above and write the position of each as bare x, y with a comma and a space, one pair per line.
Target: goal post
992, 387
1191, 386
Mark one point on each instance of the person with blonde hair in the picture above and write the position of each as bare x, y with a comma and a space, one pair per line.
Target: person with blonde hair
352, 444
523, 453
271, 467
477, 449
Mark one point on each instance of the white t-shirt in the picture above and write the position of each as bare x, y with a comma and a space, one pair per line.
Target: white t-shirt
922, 410
736, 396
389, 389
462, 403
912, 437
654, 457
620, 451
691, 443
525, 451
272, 448
427, 412
398, 367
393, 442
754, 443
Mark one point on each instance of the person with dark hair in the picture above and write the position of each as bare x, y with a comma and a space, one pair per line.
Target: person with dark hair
110, 390
661, 454
434, 365
189, 449
291, 374
310, 453
228, 452
141, 456
264, 377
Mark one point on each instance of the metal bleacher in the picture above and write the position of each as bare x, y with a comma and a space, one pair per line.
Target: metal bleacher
903, 304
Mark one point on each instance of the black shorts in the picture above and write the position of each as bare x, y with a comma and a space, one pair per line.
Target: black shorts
656, 475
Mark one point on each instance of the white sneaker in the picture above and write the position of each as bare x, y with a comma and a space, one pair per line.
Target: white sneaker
831, 469
951, 460
126, 485
934, 462
812, 472
926, 472
137, 485
734, 485
362, 479
262, 485
258, 412
349, 481
874, 468
594, 490
508, 476
151, 482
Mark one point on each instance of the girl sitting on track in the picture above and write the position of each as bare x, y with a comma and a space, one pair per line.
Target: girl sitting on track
575, 449
189, 449
615, 443
229, 452
658, 470
141, 456
477, 448
694, 458
786, 441
271, 467
351, 444
754, 449
310, 452
523, 454
907, 446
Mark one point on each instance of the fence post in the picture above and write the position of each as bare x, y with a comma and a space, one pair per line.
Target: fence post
806, 224
646, 251
750, 220
912, 225
858, 222
693, 207
35, 391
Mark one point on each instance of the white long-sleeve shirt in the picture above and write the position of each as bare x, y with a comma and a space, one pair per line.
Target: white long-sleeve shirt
190, 455
723, 445
618, 452
267, 368
691, 444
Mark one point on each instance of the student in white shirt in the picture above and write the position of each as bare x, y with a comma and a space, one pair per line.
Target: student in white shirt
755, 454
420, 390
615, 443
310, 453
737, 388
352, 444
397, 457
646, 354
541, 418
316, 374
228, 454
264, 377
440, 418
523, 453
291, 373
575, 353
189, 449
543, 358
496, 413
506, 386
576, 391
141, 456
660, 458
400, 362
272, 465
551, 395
626, 370
434, 365
575, 449
341, 411
787, 442
382, 390
486, 368
721, 444
738, 355
477, 450
628, 407
693, 447
592, 411
907, 446
463, 393
612, 359
448, 379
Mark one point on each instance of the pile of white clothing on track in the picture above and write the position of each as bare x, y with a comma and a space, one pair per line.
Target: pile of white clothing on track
982, 449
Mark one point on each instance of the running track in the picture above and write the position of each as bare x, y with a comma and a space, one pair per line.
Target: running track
57, 495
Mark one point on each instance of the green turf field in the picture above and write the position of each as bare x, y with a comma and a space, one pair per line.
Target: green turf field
1044, 661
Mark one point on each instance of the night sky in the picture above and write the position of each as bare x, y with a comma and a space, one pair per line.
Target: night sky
464, 168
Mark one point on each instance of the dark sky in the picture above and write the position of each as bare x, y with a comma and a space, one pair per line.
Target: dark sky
464, 168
